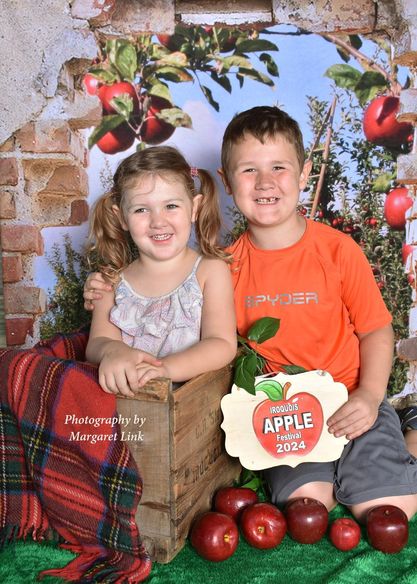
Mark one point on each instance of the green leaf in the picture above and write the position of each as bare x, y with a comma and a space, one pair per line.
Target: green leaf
175, 74
271, 66
383, 182
123, 104
251, 46
126, 61
256, 75
343, 55
293, 369
176, 117
161, 90
344, 75
108, 124
245, 372
209, 96
222, 80
234, 61
369, 85
355, 41
106, 76
176, 59
272, 388
263, 329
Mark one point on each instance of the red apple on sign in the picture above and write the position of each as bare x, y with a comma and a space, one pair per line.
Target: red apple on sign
214, 536
154, 130
108, 92
380, 124
307, 519
233, 500
345, 533
117, 140
387, 528
287, 426
396, 204
263, 525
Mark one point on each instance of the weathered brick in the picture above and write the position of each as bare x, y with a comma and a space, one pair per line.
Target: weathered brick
51, 137
148, 15
7, 205
407, 169
8, 146
408, 106
67, 180
79, 212
24, 238
97, 12
9, 174
24, 299
17, 330
12, 268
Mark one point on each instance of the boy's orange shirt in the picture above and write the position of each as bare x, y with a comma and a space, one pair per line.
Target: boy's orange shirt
322, 289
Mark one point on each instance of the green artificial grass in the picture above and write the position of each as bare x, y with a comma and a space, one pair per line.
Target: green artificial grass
289, 563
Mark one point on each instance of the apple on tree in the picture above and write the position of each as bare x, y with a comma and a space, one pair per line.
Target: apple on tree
154, 130
108, 92
117, 140
380, 123
214, 536
91, 84
396, 204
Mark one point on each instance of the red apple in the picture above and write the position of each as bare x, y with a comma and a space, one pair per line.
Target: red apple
387, 528
91, 84
107, 92
153, 130
380, 124
232, 500
345, 533
396, 204
117, 140
214, 536
168, 40
405, 251
263, 525
307, 519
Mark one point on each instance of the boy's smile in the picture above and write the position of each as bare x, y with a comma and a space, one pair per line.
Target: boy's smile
265, 180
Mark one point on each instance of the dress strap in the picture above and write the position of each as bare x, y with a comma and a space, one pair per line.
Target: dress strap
196, 264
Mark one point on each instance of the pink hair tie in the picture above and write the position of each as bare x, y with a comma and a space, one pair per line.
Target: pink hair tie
193, 171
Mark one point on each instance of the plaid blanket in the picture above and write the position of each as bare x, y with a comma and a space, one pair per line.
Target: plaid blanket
63, 468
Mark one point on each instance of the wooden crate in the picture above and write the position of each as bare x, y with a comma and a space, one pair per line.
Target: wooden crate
176, 441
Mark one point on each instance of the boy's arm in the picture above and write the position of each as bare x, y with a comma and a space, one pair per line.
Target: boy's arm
359, 413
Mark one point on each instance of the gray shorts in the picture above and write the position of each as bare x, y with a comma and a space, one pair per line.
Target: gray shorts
377, 464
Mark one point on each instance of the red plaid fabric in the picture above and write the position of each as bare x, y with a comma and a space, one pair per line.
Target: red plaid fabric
55, 480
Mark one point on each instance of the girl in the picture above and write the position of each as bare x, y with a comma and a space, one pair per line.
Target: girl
171, 312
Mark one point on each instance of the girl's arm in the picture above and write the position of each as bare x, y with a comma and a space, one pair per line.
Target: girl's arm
218, 342
117, 361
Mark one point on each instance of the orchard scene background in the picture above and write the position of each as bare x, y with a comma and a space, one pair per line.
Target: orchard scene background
184, 88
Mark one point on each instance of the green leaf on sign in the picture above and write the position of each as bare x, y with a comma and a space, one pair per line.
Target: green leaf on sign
108, 124
176, 117
344, 75
245, 371
263, 329
271, 388
293, 369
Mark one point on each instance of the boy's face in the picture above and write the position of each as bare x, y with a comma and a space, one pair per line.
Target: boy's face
265, 181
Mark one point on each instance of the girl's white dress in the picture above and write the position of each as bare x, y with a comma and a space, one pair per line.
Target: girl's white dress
160, 325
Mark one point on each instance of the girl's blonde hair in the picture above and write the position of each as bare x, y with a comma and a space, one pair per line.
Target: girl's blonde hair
111, 246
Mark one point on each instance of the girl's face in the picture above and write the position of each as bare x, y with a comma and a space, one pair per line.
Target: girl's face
158, 213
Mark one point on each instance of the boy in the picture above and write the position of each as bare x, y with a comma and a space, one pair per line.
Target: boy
318, 282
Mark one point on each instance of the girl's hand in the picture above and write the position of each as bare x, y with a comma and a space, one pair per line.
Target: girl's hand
118, 373
146, 372
92, 287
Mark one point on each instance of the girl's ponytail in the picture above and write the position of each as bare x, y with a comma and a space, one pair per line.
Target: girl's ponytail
109, 248
208, 220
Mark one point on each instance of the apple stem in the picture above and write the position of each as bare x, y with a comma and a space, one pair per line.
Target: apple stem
285, 389
261, 529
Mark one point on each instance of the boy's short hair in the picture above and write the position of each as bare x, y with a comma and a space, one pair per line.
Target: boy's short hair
262, 122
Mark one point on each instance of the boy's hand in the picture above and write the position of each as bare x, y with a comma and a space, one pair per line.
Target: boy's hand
92, 287
356, 416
